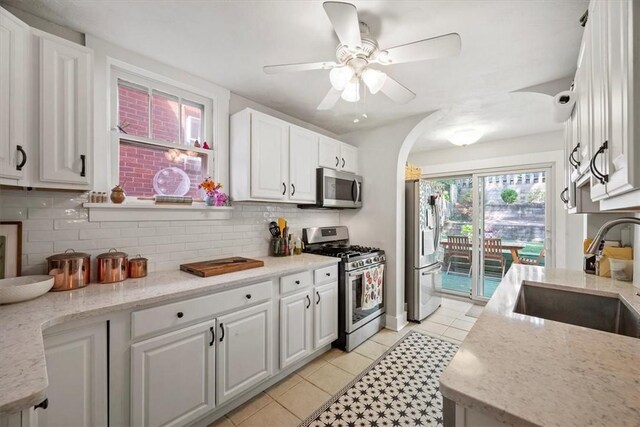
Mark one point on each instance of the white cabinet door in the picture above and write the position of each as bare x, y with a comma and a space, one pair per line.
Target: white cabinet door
269, 157
295, 327
66, 113
325, 314
329, 153
303, 161
77, 373
348, 158
582, 89
13, 72
244, 350
173, 377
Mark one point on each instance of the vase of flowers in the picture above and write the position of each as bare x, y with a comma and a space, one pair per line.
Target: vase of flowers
214, 196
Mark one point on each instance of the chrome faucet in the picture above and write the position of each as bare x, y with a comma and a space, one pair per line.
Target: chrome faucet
590, 264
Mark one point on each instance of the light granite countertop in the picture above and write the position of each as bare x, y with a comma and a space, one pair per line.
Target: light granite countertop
527, 371
23, 374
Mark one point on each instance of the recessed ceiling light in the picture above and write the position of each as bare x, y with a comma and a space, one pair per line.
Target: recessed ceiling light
465, 137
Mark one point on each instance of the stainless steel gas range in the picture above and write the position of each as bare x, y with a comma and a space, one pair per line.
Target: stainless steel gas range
361, 283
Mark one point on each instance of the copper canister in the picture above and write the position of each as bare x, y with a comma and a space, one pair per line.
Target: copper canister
137, 267
113, 266
70, 270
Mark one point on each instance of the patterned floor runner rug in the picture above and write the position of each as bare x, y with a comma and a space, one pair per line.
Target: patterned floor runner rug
398, 389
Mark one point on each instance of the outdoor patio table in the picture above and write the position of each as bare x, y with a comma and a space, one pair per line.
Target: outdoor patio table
512, 247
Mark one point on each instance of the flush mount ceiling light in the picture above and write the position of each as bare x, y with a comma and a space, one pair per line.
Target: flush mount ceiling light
465, 137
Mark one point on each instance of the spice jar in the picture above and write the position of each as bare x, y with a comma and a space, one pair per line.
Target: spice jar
117, 194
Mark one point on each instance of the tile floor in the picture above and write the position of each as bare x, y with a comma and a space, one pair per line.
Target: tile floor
301, 393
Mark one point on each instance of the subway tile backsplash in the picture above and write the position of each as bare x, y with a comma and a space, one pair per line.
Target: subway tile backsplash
54, 221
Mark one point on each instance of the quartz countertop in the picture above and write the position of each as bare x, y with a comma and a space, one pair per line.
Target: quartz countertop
527, 371
23, 374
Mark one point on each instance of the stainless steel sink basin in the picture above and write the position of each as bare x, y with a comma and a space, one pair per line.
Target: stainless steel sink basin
599, 312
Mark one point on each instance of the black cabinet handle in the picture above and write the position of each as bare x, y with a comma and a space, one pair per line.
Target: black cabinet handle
284, 188
337, 161
297, 282
180, 315
343, 162
562, 197
293, 189
308, 301
24, 157
222, 329
42, 405
575, 163
318, 294
213, 336
248, 296
83, 160
603, 178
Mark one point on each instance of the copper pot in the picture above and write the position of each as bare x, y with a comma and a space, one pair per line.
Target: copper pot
137, 267
113, 266
70, 270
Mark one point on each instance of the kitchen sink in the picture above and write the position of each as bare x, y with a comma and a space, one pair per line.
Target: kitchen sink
603, 313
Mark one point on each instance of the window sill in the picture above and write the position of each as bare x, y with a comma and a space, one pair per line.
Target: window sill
149, 211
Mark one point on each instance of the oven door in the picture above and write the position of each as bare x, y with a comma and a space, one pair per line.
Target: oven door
356, 314
339, 189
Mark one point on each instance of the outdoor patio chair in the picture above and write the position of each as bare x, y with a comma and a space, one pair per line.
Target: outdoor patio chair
535, 261
493, 253
458, 252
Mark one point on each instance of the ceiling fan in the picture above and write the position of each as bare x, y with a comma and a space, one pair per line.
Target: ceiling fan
356, 54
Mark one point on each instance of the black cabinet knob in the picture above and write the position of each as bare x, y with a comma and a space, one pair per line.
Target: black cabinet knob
328, 274
248, 296
297, 282
180, 315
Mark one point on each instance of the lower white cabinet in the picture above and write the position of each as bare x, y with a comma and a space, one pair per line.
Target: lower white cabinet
244, 350
295, 327
77, 372
173, 376
325, 315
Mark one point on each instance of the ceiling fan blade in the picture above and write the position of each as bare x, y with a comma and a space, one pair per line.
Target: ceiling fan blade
436, 47
344, 18
396, 91
305, 66
330, 99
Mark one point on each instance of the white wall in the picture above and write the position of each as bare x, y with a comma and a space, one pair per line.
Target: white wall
541, 149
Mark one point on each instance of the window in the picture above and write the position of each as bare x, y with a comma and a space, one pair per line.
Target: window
160, 131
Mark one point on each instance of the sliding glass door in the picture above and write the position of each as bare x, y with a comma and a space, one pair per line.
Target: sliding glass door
491, 221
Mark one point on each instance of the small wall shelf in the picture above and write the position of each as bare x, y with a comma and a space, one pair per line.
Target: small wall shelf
149, 211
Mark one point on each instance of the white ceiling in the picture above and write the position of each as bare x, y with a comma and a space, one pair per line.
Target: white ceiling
506, 45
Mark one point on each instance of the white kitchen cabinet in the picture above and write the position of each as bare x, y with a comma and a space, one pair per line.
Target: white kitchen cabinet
295, 327
303, 160
348, 158
77, 373
244, 350
14, 147
173, 376
269, 157
325, 314
583, 93
337, 155
66, 112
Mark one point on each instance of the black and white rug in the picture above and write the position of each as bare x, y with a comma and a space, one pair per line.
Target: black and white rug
401, 388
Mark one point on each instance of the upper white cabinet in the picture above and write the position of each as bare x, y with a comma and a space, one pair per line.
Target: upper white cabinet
337, 155
66, 111
14, 147
272, 160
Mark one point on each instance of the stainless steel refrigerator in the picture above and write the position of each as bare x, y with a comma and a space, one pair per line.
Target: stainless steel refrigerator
423, 270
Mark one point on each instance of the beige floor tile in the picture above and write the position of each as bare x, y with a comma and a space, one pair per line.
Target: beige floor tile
284, 385
468, 319
386, 337
441, 318
311, 367
432, 327
332, 354
456, 334
352, 362
448, 312
272, 415
221, 422
249, 408
303, 399
408, 327
455, 305
371, 349
330, 378
461, 324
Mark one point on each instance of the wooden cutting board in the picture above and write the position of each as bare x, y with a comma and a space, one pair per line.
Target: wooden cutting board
221, 266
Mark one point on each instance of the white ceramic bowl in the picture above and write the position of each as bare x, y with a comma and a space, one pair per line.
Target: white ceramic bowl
24, 288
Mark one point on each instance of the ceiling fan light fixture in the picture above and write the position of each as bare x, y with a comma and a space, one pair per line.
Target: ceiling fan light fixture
465, 137
374, 79
351, 92
340, 77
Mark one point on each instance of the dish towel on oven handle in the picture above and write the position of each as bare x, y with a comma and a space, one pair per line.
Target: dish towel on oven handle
372, 291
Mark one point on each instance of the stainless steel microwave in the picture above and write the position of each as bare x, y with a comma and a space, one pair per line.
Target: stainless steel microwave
340, 190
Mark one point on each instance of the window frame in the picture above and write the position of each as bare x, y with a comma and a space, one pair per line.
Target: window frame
151, 83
